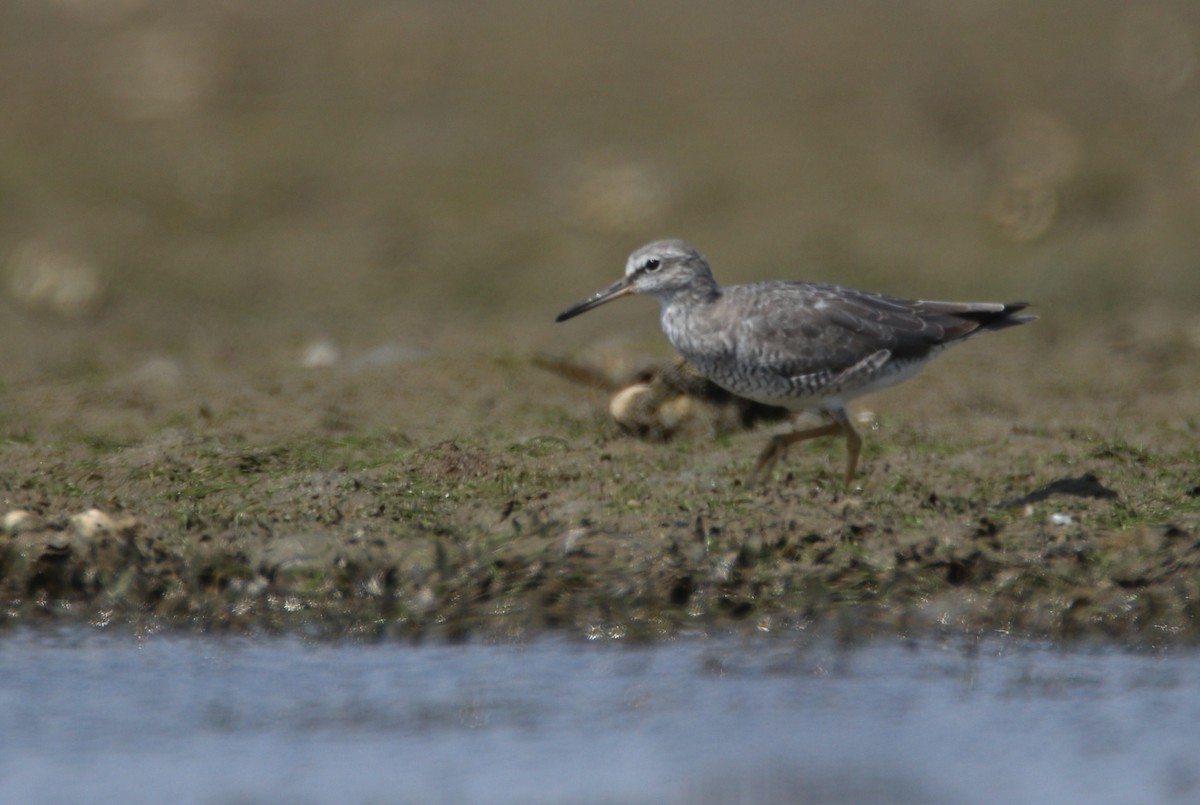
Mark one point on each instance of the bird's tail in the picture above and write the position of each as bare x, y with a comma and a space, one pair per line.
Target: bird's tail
962, 319
997, 317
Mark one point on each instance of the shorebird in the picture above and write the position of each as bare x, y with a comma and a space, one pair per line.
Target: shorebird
805, 346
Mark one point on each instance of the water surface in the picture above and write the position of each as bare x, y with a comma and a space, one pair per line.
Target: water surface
94, 717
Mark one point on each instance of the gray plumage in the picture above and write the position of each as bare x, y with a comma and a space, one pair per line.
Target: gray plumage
800, 345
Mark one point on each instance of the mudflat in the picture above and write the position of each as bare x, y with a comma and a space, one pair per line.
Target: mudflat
277, 322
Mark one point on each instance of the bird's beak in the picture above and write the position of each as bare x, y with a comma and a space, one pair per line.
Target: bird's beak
622, 287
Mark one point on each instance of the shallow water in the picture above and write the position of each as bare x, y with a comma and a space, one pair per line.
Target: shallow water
93, 717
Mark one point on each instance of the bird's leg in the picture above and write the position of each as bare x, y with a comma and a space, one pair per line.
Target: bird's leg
779, 444
853, 442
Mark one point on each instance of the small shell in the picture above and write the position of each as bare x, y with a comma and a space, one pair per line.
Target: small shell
320, 354
45, 278
624, 406
673, 414
18, 521
92, 523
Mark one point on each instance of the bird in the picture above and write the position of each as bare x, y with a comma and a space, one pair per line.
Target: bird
804, 346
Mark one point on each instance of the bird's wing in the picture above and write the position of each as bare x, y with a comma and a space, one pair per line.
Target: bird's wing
802, 328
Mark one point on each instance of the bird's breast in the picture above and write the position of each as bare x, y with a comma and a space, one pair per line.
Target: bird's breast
696, 338
711, 345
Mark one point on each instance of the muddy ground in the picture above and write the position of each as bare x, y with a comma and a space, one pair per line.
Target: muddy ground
279, 293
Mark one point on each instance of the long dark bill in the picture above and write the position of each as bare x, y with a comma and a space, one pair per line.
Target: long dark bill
622, 287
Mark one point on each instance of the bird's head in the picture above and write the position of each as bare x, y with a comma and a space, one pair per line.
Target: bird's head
662, 269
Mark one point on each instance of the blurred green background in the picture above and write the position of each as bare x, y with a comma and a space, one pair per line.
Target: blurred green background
226, 185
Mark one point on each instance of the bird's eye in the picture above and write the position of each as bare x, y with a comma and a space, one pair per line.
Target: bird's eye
653, 264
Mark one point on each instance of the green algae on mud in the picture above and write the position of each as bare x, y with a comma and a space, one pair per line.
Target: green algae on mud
377, 537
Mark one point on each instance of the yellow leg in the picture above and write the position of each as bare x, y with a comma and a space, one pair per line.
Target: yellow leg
780, 442
853, 444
